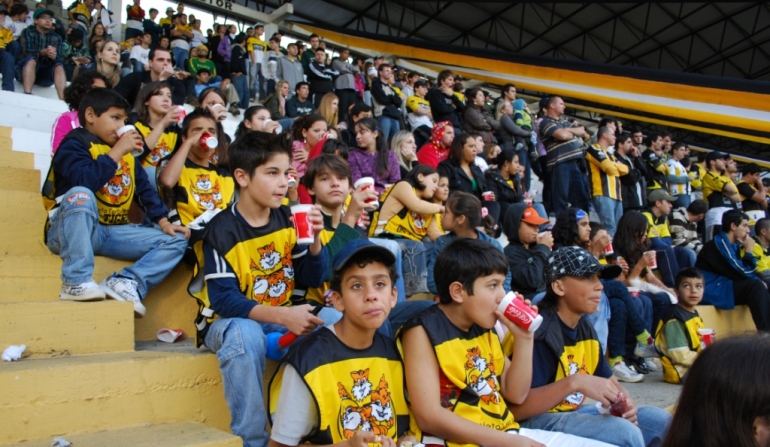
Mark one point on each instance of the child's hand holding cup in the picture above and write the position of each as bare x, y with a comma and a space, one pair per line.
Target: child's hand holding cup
130, 134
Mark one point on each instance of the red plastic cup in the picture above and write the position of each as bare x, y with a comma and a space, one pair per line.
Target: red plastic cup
368, 184
515, 310
209, 141
170, 335
127, 128
608, 250
707, 337
182, 114
634, 291
528, 201
302, 224
487, 196
654, 264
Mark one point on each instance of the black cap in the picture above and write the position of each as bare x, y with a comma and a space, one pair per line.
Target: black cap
716, 155
357, 246
76, 34
576, 261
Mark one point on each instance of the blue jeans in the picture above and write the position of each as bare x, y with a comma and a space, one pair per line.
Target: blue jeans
414, 265
257, 81
610, 211
587, 423
394, 248
568, 187
77, 236
180, 55
138, 66
44, 72
7, 68
388, 127
524, 161
682, 201
242, 87
625, 317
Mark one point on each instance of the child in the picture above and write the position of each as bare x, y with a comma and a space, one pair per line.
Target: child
157, 121
504, 180
371, 157
457, 375
677, 337
251, 264
88, 192
74, 52
569, 364
345, 383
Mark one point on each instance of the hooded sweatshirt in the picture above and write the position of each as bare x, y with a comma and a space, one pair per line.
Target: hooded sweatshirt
433, 152
526, 264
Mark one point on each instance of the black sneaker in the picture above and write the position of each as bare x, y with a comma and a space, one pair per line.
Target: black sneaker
638, 364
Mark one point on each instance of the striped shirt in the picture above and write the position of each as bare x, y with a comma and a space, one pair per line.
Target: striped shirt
558, 151
675, 168
33, 42
605, 172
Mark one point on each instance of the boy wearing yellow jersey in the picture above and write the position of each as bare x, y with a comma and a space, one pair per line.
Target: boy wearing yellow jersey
458, 378
569, 364
677, 337
92, 182
345, 382
252, 264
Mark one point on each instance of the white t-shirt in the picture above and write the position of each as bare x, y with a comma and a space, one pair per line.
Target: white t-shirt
140, 54
16, 27
198, 38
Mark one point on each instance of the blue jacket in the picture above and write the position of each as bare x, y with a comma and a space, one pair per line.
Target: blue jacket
445, 240
722, 263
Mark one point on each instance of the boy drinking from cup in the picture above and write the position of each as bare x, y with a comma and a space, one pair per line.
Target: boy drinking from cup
681, 334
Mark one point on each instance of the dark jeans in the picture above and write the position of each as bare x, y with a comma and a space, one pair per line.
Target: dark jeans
671, 260
7, 68
625, 317
347, 98
569, 186
753, 293
524, 161
241, 84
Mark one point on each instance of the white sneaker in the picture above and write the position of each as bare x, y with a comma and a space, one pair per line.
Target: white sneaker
88, 291
650, 364
645, 351
624, 374
124, 289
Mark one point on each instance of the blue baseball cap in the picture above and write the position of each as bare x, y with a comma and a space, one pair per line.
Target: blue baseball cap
356, 246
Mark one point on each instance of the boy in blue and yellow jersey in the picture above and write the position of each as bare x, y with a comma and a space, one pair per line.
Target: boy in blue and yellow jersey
458, 378
659, 235
569, 364
677, 337
346, 382
92, 182
252, 264
605, 172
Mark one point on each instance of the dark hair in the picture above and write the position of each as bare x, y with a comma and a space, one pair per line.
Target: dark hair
551, 100
732, 217
200, 113
456, 149
468, 205
607, 120
423, 170
155, 50
702, 156
505, 155
362, 260
751, 168
689, 272
326, 163
603, 131
381, 165
300, 84
335, 147
762, 224
698, 207
304, 123
81, 85
565, 230
240, 38
145, 93
678, 146
725, 392
686, 162
652, 137
18, 8
465, 260
443, 75
507, 87
357, 109
622, 138
596, 227
631, 227
470, 95
247, 116
276, 40
209, 90
313, 36
254, 149
101, 100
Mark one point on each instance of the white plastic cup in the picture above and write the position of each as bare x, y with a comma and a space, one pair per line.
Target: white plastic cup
182, 114
129, 127
368, 184
487, 196
277, 130
170, 335
209, 141
522, 315
292, 181
302, 224
634, 291
654, 264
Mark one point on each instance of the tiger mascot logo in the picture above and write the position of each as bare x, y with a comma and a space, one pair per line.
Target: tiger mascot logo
208, 196
273, 276
365, 408
118, 188
575, 399
159, 152
480, 376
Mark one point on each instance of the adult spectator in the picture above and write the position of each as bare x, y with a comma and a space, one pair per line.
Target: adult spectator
181, 36
678, 177
153, 28
103, 16
74, 52
508, 131
666, 145
225, 47
605, 172
257, 48
761, 249
564, 158
419, 114
638, 137
526, 253
437, 149
444, 105
320, 76
166, 23
345, 84
270, 65
140, 54
386, 101
633, 184
507, 93
718, 190
7, 60
477, 119
160, 70
289, 67
408, 86
198, 38
79, 14
300, 104
276, 103
684, 225
753, 193
670, 259
697, 174
729, 269
239, 71
107, 61
40, 60
309, 54
135, 17
657, 169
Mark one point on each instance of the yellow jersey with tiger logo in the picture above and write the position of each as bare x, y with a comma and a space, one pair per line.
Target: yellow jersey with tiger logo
405, 223
674, 371
167, 143
352, 389
198, 190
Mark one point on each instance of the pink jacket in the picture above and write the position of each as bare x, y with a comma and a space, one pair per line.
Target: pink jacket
62, 126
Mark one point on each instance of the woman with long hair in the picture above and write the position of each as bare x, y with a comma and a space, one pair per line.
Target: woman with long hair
107, 61
725, 399
477, 119
437, 149
98, 35
256, 118
404, 146
73, 93
505, 183
276, 104
372, 158
329, 109
306, 131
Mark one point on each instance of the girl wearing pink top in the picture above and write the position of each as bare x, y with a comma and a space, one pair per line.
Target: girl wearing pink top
67, 121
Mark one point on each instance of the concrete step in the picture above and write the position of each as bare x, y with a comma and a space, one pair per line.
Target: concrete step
66, 396
19, 179
37, 278
178, 434
56, 328
727, 322
23, 205
15, 159
21, 237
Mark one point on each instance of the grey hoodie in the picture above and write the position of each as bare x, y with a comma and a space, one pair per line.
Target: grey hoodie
290, 72
526, 264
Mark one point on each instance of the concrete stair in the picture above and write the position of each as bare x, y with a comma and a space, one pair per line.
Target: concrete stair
88, 373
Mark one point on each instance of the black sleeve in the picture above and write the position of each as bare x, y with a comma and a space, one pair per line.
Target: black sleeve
438, 103
178, 91
745, 190
128, 87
